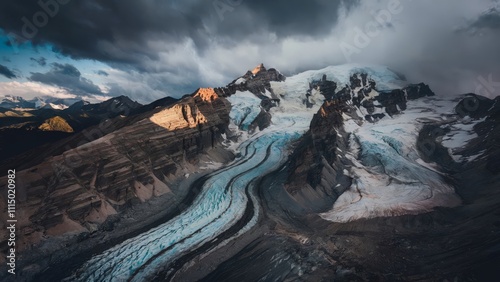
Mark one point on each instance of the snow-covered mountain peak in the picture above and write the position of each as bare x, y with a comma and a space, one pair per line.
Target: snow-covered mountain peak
385, 78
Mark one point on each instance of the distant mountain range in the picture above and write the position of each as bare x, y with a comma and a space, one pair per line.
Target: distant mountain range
26, 124
45, 102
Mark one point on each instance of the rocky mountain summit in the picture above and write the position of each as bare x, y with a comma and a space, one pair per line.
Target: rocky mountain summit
257, 81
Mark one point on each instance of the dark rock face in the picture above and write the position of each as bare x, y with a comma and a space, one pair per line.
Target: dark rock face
315, 167
393, 101
262, 121
327, 88
260, 80
363, 93
415, 91
121, 105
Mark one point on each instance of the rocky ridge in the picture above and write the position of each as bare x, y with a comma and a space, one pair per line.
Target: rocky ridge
77, 190
133, 158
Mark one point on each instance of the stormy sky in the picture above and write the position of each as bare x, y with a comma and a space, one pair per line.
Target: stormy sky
155, 48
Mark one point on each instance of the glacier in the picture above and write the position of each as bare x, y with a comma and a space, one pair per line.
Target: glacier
220, 204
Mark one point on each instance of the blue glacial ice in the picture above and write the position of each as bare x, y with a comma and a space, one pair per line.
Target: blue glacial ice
220, 204
245, 108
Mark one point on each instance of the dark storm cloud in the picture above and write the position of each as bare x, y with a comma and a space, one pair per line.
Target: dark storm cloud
68, 77
115, 31
87, 29
489, 19
40, 61
8, 73
297, 17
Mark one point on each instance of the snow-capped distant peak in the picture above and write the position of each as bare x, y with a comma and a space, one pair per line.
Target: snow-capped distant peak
11, 102
55, 106
11, 98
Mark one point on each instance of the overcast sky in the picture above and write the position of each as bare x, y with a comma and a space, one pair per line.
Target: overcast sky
151, 49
